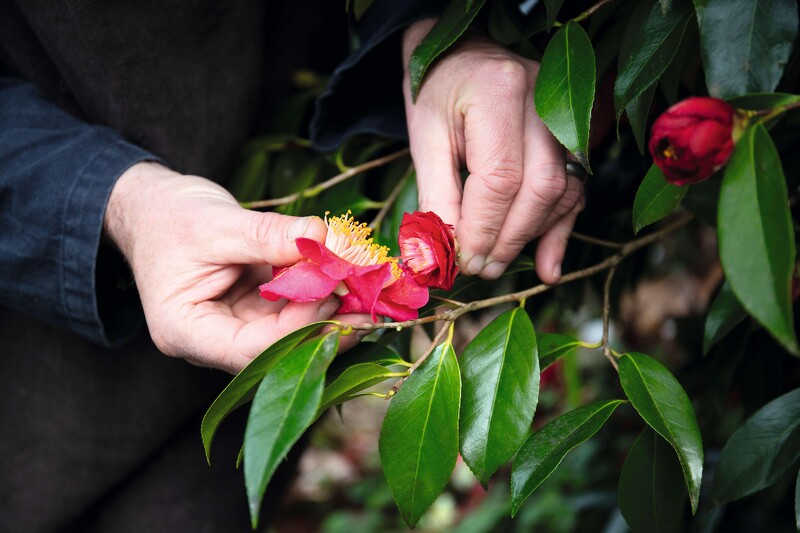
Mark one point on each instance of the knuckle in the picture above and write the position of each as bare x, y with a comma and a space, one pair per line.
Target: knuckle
501, 183
547, 191
264, 228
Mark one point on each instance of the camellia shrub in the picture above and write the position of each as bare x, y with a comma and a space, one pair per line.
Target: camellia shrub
691, 108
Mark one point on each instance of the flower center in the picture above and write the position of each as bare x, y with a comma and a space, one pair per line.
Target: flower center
419, 255
350, 240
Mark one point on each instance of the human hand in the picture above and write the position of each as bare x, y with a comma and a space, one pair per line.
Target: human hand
475, 108
198, 259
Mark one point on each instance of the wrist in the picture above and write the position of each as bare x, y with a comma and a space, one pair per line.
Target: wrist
132, 197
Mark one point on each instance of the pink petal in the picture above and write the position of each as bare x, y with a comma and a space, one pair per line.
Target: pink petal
330, 263
302, 282
366, 287
406, 291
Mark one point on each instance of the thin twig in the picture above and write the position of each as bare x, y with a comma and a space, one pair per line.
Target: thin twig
607, 316
595, 240
313, 191
453, 314
436, 340
589, 12
387, 204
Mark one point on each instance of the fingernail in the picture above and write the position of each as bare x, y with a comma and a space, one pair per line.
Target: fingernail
328, 309
298, 228
475, 265
493, 270
557, 272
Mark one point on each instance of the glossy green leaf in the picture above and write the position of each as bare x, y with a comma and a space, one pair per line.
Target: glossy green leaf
554, 346
756, 236
354, 379
500, 379
419, 437
565, 89
745, 44
552, 7
664, 405
724, 314
760, 101
655, 199
545, 449
652, 51
638, 111
651, 488
364, 352
284, 406
760, 451
243, 386
453, 22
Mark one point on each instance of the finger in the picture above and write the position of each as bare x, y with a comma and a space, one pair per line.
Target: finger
248, 237
553, 244
349, 341
435, 160
494, 132
230, 343
543, 187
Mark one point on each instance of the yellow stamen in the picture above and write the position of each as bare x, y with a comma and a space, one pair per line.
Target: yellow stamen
350, 240
669, 152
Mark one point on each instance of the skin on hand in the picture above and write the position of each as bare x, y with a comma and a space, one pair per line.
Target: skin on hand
475, 110
198, 259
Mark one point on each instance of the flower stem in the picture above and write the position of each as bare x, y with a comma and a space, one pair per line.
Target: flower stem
607, 316
448, 328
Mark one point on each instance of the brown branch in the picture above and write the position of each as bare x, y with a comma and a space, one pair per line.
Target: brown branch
595, 240
589, 12
399, 383
612, 261
607, 316
339, 178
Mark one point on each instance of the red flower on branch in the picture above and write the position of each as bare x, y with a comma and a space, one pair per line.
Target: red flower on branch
429, 249
350, 265
694, 138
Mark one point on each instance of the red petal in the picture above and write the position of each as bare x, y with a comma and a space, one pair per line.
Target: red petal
366, 287
302, 282
330, 263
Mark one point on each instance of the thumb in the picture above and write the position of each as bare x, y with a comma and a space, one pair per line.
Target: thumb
256, 238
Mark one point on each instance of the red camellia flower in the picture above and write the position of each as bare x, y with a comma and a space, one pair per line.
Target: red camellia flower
350, 265
693, 139
429, 250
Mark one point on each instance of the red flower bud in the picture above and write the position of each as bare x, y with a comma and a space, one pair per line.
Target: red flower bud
693, 139
428, 249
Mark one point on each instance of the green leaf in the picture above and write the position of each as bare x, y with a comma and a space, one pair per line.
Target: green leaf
761, 101
354, 379
500, 378
664, 405
652, 51
638, 111
651, 488
724, 314
284, 406
545, 449
553, 7
565, 89
760, 451
364, 352
419, 437
453, 22
243, 386
655, 199
554, 346
756, 237
745, 44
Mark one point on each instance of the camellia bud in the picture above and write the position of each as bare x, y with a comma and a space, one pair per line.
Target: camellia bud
694, 138
429, 249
